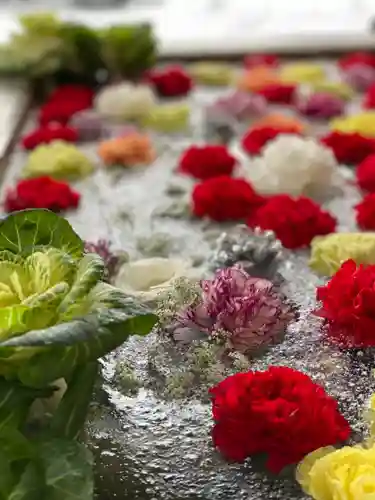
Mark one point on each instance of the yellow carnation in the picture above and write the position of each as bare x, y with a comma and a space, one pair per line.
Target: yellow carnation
302, 73
60, 160
362, 123
329, 252
212, 73
339, 89
344, 474
168, 118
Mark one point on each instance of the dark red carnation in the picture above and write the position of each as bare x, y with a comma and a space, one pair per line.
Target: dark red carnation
365, 174
369, 99
253, 60
49, 133
256, 138
41, 192
348, 306
278, 93
204, 162
362, 58
224, 198
60, 112
170, 82
295, 221
66, 93
365, 212
280, 412
349, 148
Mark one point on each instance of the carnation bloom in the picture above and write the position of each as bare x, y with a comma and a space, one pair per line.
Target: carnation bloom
278, 93
224, 198
365, 173
293, 165
49, 133
237, 105
279, 412
302, 73
41, 192
335, 88
355, 58
321, 105
257, 137
88, 124
369, 100
349, 148
365, 212
172, 81
252, 60
347, 305
360, 123
360, 76
257, 78
347, 473
279, 121
245, 312
295, 222
64, 102
168, 118
128, 150
204, 162
78, 93
211, 73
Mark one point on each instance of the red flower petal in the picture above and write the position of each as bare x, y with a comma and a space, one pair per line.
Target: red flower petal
170, 82
252, 60
278, 93
204, 162
363, 58
256, 138
349, 148
49, 133
365, 173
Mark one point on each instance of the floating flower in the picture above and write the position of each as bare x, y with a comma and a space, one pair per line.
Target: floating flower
279, 412
128, 150
321, 105
168, 118
238, 105
302, 73
278, 93
365, 212
350, 60
369, 100
365, 173
360, 76
125, 101
78, 93
148, 279
59, 160
49, 133
293, 165
172, 81
252, 60
89, 125
41, 192
347, 304
204, 162
349, 148
361, 123
339, 89
345, 474
257, 78
329, 252
279, 121
64, 102
224, 198
295, 222
211, 73
257, 137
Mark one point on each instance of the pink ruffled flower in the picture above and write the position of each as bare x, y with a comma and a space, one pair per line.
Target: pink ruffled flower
360, 77
238, 105
246, 310
321, 105
88, 124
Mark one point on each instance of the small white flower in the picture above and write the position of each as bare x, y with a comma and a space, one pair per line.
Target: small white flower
125, 101
147, 279
293, 165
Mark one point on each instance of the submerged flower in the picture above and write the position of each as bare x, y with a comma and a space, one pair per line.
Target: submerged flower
211, 73
237, 105
302, 73
207, 161
128, 150
168, 118
59, 160
321, 105
361, 123
246, 311
329, 252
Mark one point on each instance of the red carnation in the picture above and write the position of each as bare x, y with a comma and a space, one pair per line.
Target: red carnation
170, 82
278, 93
362, 58
365, 174
224, 198
369, 99
349, 148
204, 162
41, 192
280, 412
66, 93
253, 60
365, 212
49, 133
256, 138
348, 304
295, 221
60, 112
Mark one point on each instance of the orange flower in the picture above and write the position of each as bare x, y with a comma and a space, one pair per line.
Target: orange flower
257, 78
128, 150
278, 121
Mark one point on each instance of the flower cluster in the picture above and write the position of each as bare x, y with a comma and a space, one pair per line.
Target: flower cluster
295, 221
41, 192
349, 148
360, 76
238, 106
257, 137
369, 100
365, 212
258, 78
364, 58
207, 161
321, 105
279, 412
302, 73
245, 313
252, 60
360, 123
171, 81
88, 124
279, 121
365, 173
347, 304
127, 151
168, 118
64, 102
278, 93
48, 133
211, 73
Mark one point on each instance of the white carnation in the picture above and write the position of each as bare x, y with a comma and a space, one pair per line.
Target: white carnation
125, 101
292, 165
